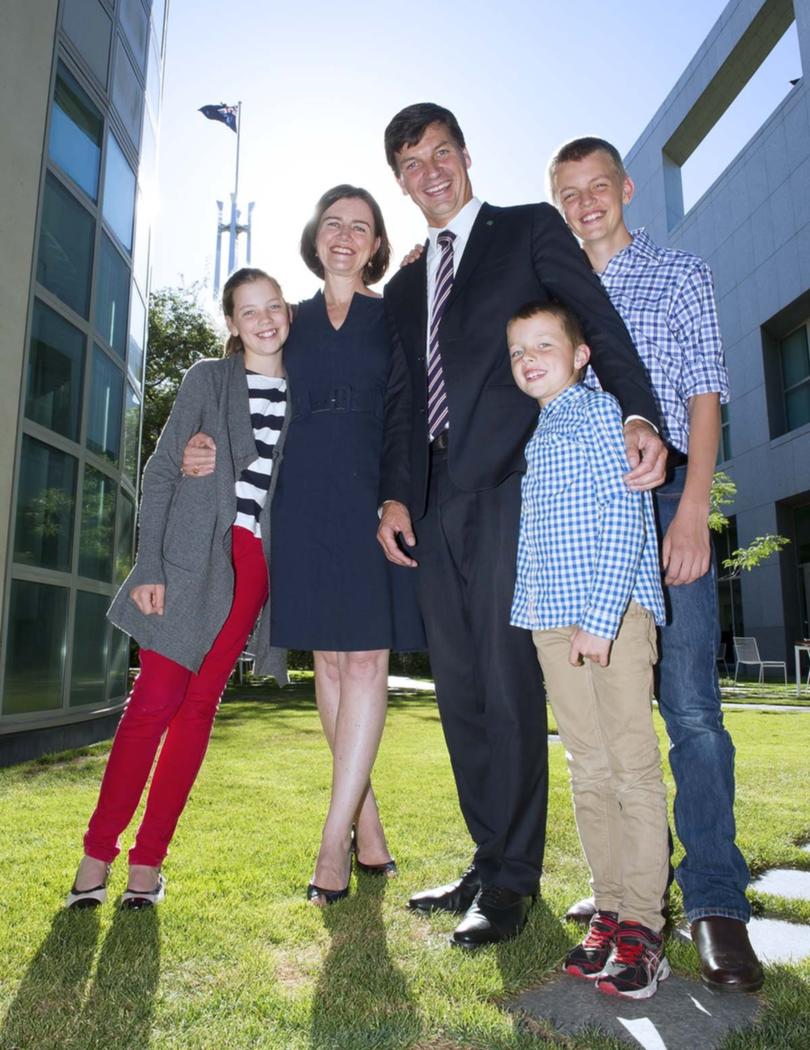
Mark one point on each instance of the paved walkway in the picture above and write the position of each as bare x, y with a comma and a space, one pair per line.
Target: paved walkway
425, 685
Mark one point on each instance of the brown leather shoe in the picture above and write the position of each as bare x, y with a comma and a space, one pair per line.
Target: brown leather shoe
727, 960
581, 911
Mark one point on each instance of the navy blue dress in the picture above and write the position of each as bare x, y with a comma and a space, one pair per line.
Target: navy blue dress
333, 588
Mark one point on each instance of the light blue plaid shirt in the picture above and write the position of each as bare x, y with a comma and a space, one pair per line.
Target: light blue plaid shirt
666, 299
587, 544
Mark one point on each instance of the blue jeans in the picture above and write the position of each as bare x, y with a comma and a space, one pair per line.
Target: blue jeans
713, 874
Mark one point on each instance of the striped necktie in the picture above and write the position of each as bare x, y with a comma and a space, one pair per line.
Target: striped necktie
437, 398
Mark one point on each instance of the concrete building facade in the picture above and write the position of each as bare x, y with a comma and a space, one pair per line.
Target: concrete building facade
78, 134
753, 227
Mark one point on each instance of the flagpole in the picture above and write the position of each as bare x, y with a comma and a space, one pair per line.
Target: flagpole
238, 139
233, 232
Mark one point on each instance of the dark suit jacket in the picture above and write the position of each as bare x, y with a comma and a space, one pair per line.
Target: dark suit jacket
513, 256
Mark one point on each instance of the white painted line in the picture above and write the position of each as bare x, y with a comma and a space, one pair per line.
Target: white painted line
644, 1032
700, 1006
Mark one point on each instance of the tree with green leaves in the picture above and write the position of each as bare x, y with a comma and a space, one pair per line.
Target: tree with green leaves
723, 494
181, 332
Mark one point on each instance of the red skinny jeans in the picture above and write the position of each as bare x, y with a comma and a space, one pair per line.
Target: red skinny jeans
168, 698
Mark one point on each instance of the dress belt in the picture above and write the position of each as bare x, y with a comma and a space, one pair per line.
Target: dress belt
439, 445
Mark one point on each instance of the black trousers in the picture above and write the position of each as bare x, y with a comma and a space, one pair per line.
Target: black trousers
488, 681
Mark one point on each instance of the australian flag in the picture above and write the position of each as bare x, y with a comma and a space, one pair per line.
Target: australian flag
227, 114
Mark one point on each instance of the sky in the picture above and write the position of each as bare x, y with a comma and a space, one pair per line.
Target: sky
319, 81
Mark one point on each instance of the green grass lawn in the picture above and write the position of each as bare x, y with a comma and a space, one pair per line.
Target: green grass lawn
235, 958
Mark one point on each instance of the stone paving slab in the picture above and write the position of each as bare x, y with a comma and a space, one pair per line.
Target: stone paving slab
683, 1015
779, 941
784, 882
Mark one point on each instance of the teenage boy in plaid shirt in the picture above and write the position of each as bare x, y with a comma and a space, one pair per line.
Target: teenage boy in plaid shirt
666, 299
588, 587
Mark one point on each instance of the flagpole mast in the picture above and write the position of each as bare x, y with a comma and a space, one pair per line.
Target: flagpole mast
233, 230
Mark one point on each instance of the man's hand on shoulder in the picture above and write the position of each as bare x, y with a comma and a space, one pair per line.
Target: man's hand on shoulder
199, 456
413, 255
395, 521
646, 454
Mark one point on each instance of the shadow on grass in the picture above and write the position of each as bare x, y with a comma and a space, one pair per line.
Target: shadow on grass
57, 1004
120, 1004
360, 992
47, 1007
537, 951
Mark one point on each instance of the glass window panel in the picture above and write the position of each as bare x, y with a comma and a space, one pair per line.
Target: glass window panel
112, 297
98, 525
137, 331
797, 406
36, 648
119, 193
55, 367
90, 649
140, 258
89, 27
132, 433
76, 129
45, 500
135, 23
106, 398
119, 665
795, 358
65, 258
127, 93
124, 537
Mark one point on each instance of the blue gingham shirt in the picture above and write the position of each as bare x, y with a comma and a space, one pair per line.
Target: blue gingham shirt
587, 544
666, 299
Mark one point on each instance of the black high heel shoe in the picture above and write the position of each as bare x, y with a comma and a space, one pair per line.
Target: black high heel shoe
388, 868
318, 895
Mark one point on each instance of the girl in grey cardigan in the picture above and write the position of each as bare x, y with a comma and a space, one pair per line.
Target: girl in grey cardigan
199, 583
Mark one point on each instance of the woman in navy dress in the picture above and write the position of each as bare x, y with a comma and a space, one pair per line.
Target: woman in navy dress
333, 590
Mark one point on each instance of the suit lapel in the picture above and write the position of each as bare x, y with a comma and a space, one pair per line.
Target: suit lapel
477, 244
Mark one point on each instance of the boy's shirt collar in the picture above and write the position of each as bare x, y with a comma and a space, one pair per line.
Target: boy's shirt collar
571, 393
640, 247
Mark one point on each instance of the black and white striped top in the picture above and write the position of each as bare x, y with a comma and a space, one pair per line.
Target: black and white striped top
268, 401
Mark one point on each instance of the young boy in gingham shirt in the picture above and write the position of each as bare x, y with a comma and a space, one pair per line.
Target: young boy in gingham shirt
588, 587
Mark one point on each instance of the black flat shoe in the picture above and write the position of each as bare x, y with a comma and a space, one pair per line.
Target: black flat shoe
454, 897
388, 868
318, 895
132, 900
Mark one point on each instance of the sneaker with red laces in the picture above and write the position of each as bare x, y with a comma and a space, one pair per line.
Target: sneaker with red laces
637, 965
589, 958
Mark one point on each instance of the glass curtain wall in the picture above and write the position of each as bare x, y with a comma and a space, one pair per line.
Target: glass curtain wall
79, 429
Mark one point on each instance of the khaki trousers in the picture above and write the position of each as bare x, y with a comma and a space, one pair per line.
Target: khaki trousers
604, 717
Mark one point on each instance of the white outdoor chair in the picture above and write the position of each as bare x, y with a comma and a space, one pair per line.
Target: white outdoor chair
746, 651
721, 656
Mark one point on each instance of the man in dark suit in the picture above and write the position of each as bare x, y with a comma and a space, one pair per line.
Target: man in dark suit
451, 480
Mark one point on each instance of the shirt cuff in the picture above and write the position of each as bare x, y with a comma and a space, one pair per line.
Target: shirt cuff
630, 419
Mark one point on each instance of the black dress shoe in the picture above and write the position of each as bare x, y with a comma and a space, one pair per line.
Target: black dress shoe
581, 911
496, 915
455, 896
728, 963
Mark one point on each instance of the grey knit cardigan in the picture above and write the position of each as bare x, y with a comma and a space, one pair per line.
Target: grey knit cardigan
185, 523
